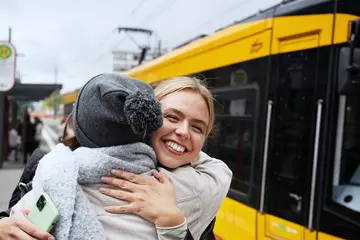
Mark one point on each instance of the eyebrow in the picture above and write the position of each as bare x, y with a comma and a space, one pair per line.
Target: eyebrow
182, 115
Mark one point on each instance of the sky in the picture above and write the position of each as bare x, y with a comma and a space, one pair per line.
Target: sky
77, 37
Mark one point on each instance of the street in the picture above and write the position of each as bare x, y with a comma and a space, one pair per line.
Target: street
8, 181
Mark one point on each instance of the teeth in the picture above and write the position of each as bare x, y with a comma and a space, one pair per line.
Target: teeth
175, 146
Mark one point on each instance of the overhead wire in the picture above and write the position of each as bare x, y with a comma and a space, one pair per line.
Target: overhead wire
230, 9
137, 7
158, 13
105, 39
133, 11
162, 8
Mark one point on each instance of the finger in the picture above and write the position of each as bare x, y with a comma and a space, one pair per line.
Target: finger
131, 177
161, 177
119, 183
128, 208
30, 229
119, 194
25, 211
22, 235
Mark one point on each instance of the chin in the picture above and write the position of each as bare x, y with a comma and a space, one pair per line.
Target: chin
169, 165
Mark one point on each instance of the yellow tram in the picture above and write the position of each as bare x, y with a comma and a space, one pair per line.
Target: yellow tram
286, 83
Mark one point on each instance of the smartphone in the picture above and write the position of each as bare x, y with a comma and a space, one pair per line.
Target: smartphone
44, 214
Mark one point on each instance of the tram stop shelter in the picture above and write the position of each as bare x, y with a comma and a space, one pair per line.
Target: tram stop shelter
10, 103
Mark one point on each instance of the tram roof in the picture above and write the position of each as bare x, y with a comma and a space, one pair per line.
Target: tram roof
248, 25
286, 8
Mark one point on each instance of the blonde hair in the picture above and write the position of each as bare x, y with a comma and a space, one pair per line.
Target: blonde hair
176, 84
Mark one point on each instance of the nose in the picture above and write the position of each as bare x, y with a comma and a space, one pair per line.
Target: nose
183, 131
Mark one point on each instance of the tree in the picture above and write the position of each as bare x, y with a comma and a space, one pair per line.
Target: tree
53, 101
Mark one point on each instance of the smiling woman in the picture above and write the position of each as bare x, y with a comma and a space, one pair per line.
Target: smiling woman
176, 84
188, 116
184, 128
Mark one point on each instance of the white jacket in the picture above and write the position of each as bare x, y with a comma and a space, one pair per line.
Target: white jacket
200, 191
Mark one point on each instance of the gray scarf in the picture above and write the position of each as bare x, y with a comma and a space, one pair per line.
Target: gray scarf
61, 172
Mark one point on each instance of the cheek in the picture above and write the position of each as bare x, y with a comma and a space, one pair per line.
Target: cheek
157, 135
155, 140
165, 129
198, 142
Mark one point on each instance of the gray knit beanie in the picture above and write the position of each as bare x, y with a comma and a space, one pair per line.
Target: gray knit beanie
112, 110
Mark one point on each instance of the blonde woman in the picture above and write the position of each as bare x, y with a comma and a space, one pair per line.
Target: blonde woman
188, 118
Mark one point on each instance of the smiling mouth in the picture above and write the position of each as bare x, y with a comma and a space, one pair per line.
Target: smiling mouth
176, 147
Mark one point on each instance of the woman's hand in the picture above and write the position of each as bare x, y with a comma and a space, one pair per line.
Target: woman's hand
152, 199
16, 228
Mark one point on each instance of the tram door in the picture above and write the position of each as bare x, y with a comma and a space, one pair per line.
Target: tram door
293, 118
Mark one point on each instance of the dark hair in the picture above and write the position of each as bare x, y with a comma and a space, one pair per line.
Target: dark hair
37, 120
27, 117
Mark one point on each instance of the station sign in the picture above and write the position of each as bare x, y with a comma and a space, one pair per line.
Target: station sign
7, 66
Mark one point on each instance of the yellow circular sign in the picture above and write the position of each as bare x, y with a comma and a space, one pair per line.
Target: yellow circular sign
5, 52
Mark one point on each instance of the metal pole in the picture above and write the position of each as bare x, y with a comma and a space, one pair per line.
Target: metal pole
14, 112
265, 156
24, 137
55, 93
315, 163
2, 116
159, 48
9, 34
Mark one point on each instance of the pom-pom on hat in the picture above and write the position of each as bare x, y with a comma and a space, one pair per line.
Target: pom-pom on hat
112, 110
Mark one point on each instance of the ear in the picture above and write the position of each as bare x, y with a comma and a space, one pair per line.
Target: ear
67, 139
67, 122
71, 142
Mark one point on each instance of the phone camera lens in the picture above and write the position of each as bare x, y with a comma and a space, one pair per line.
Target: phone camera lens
41, 202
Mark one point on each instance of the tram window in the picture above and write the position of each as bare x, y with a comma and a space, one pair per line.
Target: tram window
234, 132
346, 179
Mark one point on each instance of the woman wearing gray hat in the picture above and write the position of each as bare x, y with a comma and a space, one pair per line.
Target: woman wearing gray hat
108, 115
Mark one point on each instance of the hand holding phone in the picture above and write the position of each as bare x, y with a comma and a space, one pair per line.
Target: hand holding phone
44, 214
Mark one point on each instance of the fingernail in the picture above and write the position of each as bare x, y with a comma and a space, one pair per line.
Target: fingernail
114, 171
51, 238
104, 179
102, 190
